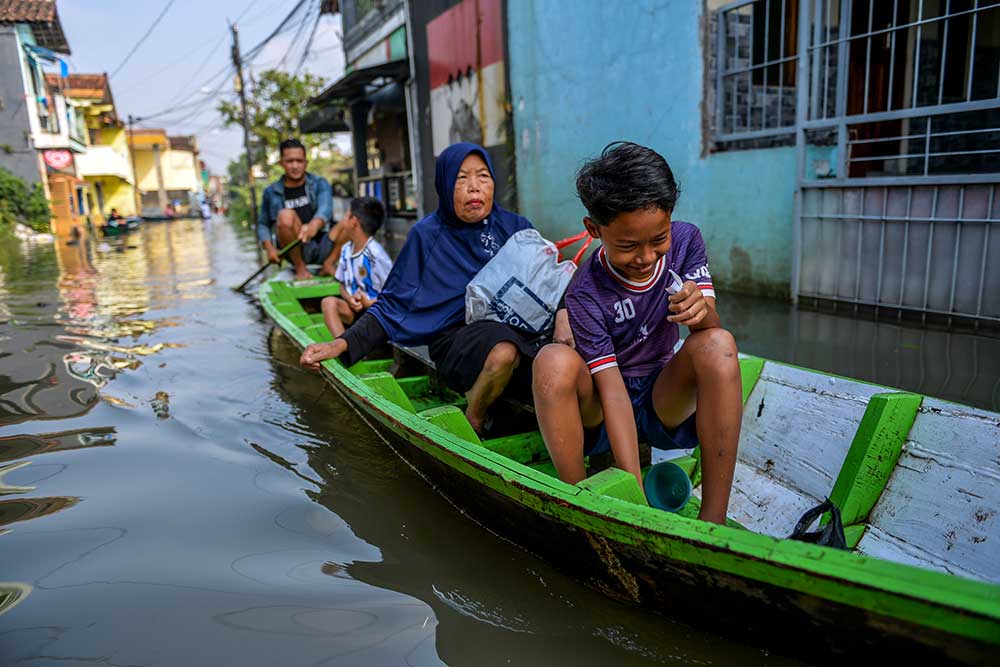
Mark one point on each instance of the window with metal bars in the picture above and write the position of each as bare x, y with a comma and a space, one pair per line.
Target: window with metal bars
913, 85
756, 69
922, 87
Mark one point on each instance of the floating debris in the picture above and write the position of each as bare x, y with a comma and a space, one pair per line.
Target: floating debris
117, 402
161, 405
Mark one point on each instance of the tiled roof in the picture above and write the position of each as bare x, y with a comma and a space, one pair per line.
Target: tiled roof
82, 86
184, 143
28, 11
43, 17
88, 81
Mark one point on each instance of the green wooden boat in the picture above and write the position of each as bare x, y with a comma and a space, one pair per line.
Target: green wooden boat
918, 481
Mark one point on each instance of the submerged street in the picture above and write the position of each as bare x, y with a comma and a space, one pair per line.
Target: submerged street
642, 333
168, 471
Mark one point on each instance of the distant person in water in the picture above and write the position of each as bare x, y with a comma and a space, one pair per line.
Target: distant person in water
423, 301
300, 205
363, 266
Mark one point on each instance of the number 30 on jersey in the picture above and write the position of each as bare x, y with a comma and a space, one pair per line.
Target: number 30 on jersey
624, 310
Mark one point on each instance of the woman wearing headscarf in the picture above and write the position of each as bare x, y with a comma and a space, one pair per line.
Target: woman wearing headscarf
423, 301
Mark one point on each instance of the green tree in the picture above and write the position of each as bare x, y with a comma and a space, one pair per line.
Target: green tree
275, 103
19, 203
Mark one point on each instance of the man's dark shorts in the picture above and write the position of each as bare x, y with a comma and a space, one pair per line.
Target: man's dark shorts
648, 425
459, 353
317, 249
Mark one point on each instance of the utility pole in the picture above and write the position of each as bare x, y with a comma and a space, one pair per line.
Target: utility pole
137, 200
238, 63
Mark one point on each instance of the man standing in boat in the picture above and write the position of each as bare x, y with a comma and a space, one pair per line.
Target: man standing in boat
423, 301
300, 205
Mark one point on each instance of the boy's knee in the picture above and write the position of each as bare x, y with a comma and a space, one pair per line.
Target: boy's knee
555, 368
502, 358
716, 348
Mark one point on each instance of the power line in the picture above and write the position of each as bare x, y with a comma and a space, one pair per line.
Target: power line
312, 35
298, 35
143, 38
175, 63
192, 99
245, 10
265, 12
222, 72
252, 53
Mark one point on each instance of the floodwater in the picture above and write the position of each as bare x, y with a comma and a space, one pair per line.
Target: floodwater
175, 490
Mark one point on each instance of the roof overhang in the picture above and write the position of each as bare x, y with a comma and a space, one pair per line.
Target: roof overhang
42, 16
328, 110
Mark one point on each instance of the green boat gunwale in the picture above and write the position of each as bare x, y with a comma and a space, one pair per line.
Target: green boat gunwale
951, 603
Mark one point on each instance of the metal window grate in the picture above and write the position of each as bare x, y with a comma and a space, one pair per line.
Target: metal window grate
901, 54
757, 62
929, 249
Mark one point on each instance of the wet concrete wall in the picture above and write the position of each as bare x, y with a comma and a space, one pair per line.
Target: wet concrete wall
586, 74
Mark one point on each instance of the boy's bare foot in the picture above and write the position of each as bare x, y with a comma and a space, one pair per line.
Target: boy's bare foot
712, 519
302, 273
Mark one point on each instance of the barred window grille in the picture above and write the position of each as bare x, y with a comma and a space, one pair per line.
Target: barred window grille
757, 61
905, 87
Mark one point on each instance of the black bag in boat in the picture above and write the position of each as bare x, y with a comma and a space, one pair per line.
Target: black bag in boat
830, 535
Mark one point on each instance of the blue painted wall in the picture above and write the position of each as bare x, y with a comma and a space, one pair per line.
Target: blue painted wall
590, 72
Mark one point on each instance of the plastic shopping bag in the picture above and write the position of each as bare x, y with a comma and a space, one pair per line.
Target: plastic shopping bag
521, 286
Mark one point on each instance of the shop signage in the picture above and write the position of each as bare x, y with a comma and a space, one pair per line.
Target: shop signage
58, 159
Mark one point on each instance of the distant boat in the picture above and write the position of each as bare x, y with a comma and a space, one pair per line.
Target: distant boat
122, 226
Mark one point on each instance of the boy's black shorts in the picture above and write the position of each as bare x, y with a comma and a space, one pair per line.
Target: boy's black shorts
460, 353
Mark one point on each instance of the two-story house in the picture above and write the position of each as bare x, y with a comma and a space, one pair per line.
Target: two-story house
40, 135
167, 172
106, 165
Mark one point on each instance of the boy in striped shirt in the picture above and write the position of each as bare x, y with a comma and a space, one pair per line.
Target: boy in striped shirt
363, 267
625, 306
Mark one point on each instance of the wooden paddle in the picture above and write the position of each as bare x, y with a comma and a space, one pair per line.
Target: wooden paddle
259, 271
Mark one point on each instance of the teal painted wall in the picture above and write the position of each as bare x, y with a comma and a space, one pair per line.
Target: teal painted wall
591, 72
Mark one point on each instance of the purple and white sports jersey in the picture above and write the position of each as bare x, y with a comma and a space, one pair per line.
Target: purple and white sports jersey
620, 322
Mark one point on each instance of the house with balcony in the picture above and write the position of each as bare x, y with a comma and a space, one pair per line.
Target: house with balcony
105, 164
41, 135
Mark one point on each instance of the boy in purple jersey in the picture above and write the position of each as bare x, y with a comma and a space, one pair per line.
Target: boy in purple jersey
625, 325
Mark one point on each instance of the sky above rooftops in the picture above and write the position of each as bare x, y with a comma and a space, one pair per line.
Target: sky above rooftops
185, 59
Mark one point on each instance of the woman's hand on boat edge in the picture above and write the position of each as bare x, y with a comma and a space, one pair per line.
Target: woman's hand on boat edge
318, 352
